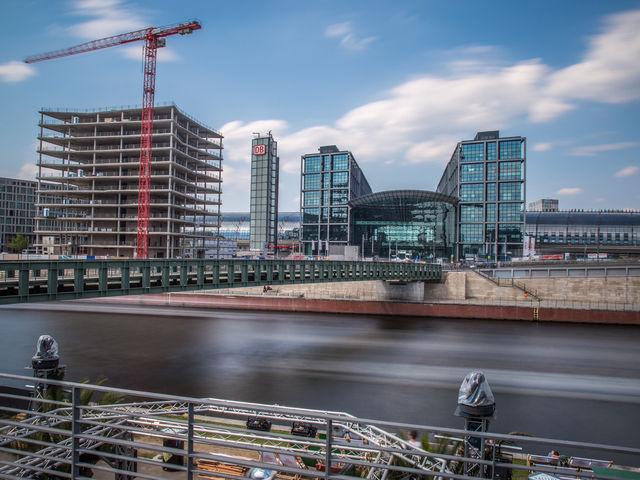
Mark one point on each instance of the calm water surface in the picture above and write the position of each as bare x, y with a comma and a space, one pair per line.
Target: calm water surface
561, 381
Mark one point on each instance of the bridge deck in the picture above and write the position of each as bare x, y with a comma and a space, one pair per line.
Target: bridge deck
48, 280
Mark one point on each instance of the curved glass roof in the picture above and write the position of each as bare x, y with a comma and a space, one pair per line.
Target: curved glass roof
404, 196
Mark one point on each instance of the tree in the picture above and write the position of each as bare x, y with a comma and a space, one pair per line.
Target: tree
18, 243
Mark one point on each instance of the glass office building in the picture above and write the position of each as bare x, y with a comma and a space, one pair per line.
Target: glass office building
404, 224
488, 175
264, 194
329, 180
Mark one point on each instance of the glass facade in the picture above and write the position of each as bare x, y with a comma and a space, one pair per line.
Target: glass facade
488, 175
264, 194
580, 233
329, 181
415, 223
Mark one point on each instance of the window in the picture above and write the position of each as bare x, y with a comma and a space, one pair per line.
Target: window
338, 233
309, 232
311, 199
341, 162
490, 235
339, 197
472, 152
338, 215
473, 172
326, 180
340, 179
491, 172
491, 151
471, 213
471, 192
511, 191
310, 215
509, 234
471, 233
509, 212
510, 171
326, 163
510, 149
312, 164
491, 192
312, 182
491, 212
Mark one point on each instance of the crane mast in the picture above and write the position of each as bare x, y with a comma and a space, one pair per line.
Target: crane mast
154, 39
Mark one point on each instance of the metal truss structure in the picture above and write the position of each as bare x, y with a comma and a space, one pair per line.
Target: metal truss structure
66, 439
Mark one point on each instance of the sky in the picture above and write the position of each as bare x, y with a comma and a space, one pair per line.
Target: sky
396, 83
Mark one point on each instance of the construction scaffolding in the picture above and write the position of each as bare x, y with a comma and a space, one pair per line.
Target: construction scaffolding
94, 157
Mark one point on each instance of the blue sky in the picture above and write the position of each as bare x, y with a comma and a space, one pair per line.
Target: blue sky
397, 83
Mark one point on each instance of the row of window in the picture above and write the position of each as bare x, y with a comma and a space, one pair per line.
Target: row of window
591, 238
473, 192
509, 212
474, 172
474, 152
318, 198
326, 163
333, 233
479, 233
324, 215
326, 180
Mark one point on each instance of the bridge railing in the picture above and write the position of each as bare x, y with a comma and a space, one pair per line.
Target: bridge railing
70, 430
38, 280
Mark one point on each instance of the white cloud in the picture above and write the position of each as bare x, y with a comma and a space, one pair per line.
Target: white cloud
16, 71
627, 171
569, 191
28, 171
541, 147
610, 71
135, 52
348, 39
593, 150
237, 137
436, 151
419, 121
109, 17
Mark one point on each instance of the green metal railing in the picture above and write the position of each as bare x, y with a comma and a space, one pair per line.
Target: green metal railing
47, 280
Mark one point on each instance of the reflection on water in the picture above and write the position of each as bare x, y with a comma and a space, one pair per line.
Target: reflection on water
567, 381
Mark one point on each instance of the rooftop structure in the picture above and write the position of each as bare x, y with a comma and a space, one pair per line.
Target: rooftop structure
544, 205
94, 157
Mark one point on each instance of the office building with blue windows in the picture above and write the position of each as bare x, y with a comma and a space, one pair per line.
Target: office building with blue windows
488, 175
330, 179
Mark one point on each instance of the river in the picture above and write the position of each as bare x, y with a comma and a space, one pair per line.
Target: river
576, 382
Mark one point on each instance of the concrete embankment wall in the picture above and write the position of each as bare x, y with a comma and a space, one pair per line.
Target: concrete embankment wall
461, 294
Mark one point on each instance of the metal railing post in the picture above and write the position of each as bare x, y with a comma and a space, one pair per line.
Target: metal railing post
75, 431
190, 449
327, 462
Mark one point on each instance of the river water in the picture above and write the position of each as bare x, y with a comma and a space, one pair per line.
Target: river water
575, 382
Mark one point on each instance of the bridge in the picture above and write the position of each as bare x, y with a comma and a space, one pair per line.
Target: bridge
49, 280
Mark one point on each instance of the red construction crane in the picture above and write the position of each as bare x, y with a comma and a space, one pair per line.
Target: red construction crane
154, 38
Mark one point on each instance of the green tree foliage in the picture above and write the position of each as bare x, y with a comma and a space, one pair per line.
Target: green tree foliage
18, 243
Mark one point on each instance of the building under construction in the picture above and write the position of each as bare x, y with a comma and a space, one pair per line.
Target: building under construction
95, 155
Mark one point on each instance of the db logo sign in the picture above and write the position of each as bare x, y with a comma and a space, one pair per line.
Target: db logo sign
259, 149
